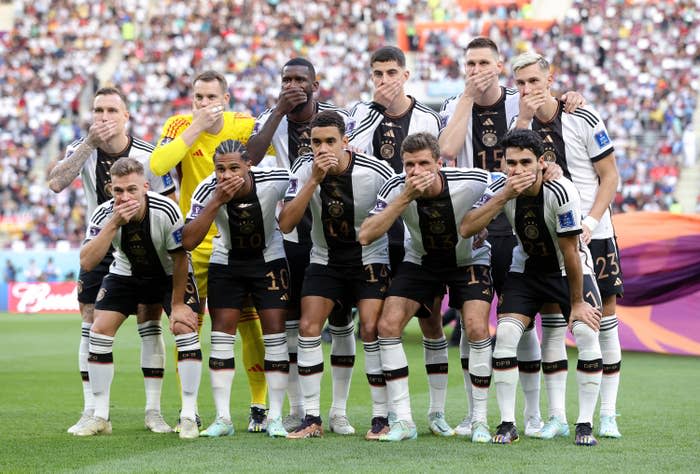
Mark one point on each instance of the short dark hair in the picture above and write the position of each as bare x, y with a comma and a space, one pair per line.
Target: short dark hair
421, 141
482, 42
302, 62
210, 76
388, 53
231, 146
112, 91
524, 139
329, 118
126, 166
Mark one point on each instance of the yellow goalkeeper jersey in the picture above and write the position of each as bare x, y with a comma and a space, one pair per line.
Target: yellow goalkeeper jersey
196, 162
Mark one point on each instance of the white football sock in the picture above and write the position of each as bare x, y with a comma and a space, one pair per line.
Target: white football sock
589, 370
189, 366
612, 359
310, 362
436, 361
505, 365
101, 369
555, 365
276, 371
342, 363
152, 362
395, 367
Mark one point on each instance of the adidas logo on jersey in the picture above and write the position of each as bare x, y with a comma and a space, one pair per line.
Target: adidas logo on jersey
618, 282
255, 368
284, 297
198, 153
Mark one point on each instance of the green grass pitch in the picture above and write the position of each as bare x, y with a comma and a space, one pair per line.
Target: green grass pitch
40, 396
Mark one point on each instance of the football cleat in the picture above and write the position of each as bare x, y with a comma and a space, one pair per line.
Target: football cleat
553, 428
310, 428
257, 420
83, 418
154, 422
584, 435
197, 419
188, 428
438, 426
400, 430
506, 433
340, 424
480, 432
465, 427
220, 427
608, 427
380, 426
94, 426
532, 426
291, 422
275, 428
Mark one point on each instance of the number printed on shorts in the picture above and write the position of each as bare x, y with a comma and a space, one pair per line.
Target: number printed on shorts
483, 277
383, 272
610, 260
283, 279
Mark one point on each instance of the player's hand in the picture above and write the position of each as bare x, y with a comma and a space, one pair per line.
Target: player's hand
101, 132
289, 98
587, 234
477, 84
552, 171
322, 163
183, 314
417, 184
479, 239
207, 116
226, 188
387, 92
584, 312
517, 183
125, 211
572, 101
530, 103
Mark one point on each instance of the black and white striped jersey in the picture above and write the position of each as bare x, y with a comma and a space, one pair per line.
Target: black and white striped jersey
381, 136
290, 141
338, 206
538, 221
433, 223
486, 127
247, 227
142, 248
95, 172
576, 141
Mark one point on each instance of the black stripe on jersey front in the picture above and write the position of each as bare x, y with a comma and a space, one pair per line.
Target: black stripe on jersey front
246, 226
532, 231
103, 179
553, 137
436, 219
137, 245
489, 124
389, 135
299, 135
559, 191
338, 219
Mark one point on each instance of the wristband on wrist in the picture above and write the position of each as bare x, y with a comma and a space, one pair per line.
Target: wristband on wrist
590, 222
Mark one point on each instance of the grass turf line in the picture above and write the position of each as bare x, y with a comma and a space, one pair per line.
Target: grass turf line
41, 395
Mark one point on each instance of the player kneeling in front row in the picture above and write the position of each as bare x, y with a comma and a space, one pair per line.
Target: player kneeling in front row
149, 266
550, 265
248, 259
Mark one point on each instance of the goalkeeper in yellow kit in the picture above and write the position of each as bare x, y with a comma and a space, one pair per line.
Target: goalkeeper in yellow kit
187, 143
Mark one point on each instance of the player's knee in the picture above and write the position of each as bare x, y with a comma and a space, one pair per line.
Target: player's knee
586, 341
369, 330
477, 328
388, 326
87, 312
508, 334
310, 327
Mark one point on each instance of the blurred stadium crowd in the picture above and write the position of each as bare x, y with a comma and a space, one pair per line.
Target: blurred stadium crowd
637, 62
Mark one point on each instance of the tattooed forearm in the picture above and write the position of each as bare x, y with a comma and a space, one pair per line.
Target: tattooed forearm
66, 171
